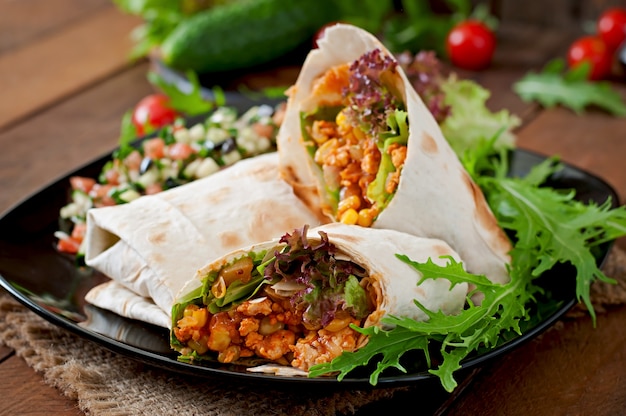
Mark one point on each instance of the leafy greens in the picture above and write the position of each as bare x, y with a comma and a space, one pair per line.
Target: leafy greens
549, 227
571, 89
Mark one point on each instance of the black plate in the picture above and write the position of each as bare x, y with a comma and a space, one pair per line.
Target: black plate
52, 286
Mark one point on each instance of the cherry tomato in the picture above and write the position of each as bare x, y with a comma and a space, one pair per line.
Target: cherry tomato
470, 45
152, 112
591, 49
612, 27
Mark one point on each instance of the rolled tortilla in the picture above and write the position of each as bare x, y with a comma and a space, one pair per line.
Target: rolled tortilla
435, 197
153, 244
117, 298
249, 316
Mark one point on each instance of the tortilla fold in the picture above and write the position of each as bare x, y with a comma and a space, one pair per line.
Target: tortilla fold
153, 244
435, 196
391, 284
117, 298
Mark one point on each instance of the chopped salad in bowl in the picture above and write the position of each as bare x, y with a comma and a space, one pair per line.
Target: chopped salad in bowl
176, 154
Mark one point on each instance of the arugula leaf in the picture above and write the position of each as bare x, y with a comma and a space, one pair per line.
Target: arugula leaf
571, 89
552, 227
501, 310
390, 345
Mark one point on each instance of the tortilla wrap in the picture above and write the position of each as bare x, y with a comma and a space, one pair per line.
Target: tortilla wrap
435, 196
390, 284
117, 298
153, 244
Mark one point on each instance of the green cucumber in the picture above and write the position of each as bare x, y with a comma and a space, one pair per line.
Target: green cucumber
244, 33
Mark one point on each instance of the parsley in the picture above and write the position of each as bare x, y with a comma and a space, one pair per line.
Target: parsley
571, 89
128, 133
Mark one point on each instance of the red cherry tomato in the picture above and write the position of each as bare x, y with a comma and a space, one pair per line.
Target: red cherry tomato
152, 112
612, 27
470, 45
591, 49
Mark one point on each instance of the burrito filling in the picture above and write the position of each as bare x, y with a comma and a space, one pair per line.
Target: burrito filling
292, 305
357, 134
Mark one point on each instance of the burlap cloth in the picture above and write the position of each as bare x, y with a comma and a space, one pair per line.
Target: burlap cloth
103, 382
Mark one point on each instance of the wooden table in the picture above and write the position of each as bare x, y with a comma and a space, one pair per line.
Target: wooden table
66, 82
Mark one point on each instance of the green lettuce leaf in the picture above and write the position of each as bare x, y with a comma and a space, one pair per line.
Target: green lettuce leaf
470, 121
570, 89
398, 133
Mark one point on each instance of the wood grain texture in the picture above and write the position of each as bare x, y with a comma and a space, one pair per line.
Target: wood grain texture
5, 353
570, 370
67, 135
23, 392
23, 21
55, 66
595, 142
562, 14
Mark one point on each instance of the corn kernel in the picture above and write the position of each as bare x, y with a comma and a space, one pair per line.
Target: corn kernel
341, 118
201, 316
219, 340
366, 217
359, 134
349, 217
351, 202
324, 150
190, 309
338, 323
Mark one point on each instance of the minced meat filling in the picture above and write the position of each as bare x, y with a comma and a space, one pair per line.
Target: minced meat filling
348, 148
267, 328
297, 309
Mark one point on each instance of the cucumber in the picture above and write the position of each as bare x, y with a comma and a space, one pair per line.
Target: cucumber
244, 33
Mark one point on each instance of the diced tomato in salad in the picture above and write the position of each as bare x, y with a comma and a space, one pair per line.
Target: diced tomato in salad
82, 183
154, 148
68, 245
179, 151
174, 156
71, 243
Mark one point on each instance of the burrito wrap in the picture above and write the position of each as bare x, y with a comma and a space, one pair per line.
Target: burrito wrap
391, 283
154, 243
435, 196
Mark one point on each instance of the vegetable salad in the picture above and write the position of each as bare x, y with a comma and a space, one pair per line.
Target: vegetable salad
176, 155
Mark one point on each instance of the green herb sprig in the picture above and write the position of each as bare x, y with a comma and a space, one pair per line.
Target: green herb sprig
571, 89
